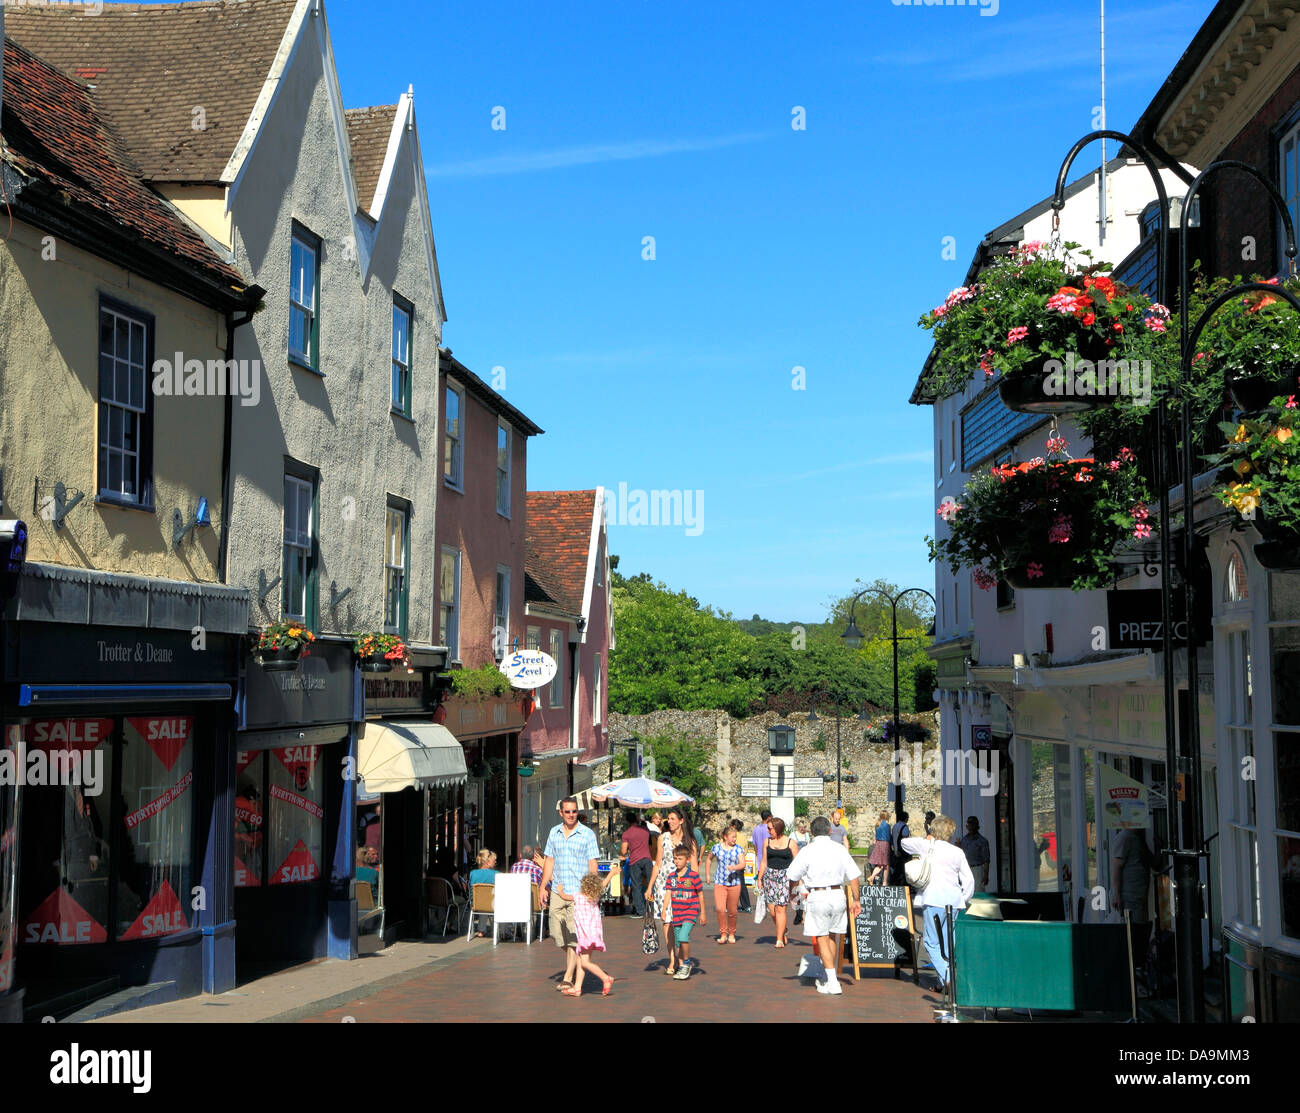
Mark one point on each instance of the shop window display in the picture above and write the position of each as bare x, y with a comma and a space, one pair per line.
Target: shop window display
280, 816
110, 858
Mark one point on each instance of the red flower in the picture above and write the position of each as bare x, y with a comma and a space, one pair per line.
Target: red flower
1118, 326
1089, 318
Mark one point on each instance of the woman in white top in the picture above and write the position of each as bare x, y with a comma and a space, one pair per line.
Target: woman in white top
951, 883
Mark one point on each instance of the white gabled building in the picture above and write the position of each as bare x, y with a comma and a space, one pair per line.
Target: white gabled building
998, 653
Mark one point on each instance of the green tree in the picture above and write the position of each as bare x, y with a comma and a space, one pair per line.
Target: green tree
673, 653
683, 761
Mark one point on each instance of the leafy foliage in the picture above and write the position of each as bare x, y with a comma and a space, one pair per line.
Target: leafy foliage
1051, 518
673, 653
1261, 465
476, 685
1033, 306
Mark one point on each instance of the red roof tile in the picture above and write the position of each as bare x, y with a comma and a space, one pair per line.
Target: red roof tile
53, 135
151, 65
368, 132
559, 534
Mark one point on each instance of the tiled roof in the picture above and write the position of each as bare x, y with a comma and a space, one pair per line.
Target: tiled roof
151, 66
53, 136
368, 132
559, 533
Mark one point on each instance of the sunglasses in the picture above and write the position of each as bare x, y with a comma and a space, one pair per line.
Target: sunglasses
569, 811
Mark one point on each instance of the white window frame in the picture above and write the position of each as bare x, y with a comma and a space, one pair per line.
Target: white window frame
503, 474
501, 611
299, 486
402, 400
310, 312
533, 638
456, 454
555, 697
395, 566
110, 406
596, 692
452, 637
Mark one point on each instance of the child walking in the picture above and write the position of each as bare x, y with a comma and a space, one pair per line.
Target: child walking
591, 933
683, 891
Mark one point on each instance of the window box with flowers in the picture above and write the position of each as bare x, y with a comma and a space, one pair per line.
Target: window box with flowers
379, 652
1260, 478
1049, 522
281, 645
1042, 320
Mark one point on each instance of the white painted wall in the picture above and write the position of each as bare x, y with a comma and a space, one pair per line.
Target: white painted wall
339, 421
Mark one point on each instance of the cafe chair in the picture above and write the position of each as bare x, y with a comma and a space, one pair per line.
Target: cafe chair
440, 896
538, 910
480, 905
369, 917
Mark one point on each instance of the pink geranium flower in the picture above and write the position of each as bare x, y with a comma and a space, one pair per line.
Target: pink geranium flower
1034, 570
1017, 334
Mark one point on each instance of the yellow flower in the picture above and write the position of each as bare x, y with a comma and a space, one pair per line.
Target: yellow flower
1240, 436
1243, 497
294, 631
1282, 433
1242, 467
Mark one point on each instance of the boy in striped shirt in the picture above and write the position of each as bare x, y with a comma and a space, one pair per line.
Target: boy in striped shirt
683, 891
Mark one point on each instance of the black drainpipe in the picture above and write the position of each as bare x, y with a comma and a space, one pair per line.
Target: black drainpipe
253, 299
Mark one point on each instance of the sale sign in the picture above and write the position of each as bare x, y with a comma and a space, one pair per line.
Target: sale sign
299, 866
244, 877
167, 736
68, 734
300, 761
60, 919
161, 916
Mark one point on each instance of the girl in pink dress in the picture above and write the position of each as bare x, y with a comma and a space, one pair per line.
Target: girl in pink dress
591, 934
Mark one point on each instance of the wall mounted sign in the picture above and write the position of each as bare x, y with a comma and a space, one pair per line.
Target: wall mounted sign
528, 668
981, 736
319, 690
1134, 622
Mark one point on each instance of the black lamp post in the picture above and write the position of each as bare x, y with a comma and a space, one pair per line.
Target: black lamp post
853, 639
1183, 761
812, 718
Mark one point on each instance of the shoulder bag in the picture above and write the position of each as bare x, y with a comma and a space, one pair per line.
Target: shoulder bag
917, 870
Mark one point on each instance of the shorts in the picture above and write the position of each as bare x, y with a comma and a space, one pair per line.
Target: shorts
826, 913
563, 930
682, 932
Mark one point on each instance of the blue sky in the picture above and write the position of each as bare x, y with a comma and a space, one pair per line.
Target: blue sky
774, 248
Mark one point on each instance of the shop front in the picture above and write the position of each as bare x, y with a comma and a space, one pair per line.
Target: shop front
488, 730
294, 809
412, 774
116, 737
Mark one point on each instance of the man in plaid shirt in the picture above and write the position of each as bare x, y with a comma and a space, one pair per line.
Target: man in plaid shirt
528, 864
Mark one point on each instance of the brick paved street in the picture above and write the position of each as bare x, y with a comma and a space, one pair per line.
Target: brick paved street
514, 982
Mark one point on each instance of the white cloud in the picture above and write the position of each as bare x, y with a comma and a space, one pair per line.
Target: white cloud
584, 156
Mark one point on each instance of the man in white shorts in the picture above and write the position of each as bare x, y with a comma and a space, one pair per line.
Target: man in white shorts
825, 867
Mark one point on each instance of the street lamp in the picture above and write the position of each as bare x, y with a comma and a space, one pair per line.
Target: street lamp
1183, 762
862, 716
853, 639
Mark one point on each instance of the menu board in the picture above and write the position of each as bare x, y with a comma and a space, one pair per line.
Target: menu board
883, 930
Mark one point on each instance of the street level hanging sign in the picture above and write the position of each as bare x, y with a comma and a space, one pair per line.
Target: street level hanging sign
529, 668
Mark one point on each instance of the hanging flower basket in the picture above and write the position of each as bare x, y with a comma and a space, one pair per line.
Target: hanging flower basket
1259, 477
1253, 344
281, 645
1043, 320
1047, 523
379, 652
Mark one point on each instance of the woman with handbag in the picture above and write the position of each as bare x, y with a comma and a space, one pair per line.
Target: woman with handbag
941, 873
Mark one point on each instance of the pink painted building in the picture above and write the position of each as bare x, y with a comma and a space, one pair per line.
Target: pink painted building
569, 616
479, 586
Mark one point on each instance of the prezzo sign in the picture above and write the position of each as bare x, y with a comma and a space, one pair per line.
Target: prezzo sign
1135, 622
529, 668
